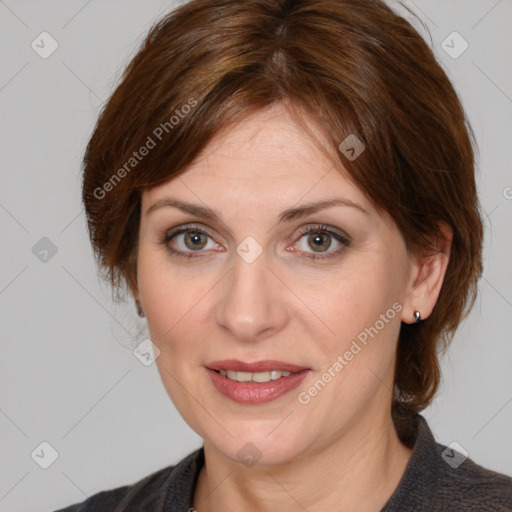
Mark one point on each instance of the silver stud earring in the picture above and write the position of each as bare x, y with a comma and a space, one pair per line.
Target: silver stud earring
417, 316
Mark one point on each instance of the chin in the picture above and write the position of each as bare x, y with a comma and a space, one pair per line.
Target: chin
261, 443
258, 451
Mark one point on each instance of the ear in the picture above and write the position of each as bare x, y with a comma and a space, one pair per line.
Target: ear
427, 276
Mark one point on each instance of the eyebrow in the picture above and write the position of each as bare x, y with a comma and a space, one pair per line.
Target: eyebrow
286, 216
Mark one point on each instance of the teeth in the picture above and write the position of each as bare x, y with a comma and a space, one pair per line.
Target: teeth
254, 377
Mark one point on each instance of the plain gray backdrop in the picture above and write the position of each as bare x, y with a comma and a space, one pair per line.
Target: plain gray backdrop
68, 376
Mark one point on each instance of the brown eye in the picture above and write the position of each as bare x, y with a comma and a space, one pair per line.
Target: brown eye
195, 240
320, 239
187, 240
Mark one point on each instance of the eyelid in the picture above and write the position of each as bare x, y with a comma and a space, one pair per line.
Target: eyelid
190, 226
324, 228
187, 227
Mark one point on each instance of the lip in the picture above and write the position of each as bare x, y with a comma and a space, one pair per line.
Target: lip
255, 392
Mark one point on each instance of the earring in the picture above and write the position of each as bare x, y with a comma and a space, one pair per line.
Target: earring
417, 316
140, 311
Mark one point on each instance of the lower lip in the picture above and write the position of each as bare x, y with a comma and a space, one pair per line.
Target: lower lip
256, 392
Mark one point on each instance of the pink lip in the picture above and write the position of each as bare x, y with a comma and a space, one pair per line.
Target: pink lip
255, 392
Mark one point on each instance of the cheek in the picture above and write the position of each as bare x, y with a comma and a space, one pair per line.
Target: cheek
173, 300
362, 309
355, 299
358, 359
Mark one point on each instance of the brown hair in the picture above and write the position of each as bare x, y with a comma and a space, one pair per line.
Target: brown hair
350, 67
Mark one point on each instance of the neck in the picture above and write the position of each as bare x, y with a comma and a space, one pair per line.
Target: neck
358, 471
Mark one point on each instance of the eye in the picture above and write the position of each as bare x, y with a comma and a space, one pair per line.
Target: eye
320, 237
194, 239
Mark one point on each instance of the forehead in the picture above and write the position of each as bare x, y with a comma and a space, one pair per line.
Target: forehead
265, 159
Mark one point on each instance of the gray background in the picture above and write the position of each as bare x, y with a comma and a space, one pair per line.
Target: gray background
68, 375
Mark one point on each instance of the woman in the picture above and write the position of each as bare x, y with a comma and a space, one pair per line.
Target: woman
286, 188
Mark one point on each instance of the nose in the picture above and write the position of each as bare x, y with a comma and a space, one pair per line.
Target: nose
251, 305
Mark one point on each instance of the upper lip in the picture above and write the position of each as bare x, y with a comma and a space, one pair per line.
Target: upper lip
257, 366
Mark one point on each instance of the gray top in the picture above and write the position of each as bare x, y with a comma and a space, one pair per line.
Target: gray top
437, 479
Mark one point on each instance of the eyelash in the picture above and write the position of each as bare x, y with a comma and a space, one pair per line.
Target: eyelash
316, 229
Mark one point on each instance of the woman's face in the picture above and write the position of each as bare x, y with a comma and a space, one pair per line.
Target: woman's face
241, 288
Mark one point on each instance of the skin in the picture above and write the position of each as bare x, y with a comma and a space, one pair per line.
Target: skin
340, 451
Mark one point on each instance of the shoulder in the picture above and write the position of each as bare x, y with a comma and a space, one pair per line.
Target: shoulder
470, 486
141, 491
441, 479
172, 484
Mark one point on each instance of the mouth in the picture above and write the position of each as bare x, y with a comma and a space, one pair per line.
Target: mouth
254, 377
258, 382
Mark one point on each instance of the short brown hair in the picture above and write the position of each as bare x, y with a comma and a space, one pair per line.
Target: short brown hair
350, 67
